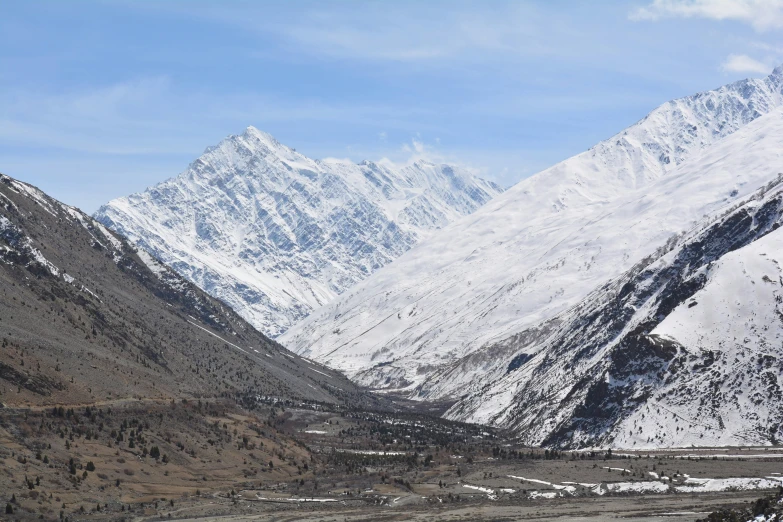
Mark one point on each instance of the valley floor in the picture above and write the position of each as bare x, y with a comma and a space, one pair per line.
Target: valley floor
214, 459
657, 508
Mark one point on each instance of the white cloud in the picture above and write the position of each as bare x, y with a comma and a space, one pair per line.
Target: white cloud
742, 63
418, 150
153, 115
409, 32
761, 14
415, 150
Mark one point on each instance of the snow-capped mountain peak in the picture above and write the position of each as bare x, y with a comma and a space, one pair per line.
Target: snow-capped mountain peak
275, 234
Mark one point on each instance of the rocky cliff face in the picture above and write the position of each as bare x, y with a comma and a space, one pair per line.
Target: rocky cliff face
275, 234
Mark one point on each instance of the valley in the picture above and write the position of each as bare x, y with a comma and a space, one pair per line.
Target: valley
205, 458
128, 392
267, 336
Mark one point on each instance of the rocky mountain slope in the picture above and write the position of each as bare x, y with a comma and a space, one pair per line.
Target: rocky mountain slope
543, 246
87, 318
275, 234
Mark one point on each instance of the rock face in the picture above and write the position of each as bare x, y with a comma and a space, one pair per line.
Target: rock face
87, 317
511, 315
275, 234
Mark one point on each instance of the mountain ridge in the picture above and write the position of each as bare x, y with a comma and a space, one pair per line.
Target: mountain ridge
86, 316
670, 353
275, 234
519, 261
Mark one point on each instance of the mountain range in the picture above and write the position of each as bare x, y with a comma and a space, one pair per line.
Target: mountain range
593, 303
275, 234
505, 311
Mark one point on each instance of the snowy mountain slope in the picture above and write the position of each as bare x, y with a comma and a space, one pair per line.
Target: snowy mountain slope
275, 234
684, 349
534, 251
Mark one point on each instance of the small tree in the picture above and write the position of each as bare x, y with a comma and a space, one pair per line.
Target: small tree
155, 452
9, 509
90, 466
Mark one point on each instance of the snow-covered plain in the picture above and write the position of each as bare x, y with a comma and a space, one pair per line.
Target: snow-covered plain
275, 234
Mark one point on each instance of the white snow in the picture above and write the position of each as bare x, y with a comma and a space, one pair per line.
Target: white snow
40, 258
566, 486
34, 194
439, 322
530, 480
544, 494
216, 335
155, 266
542, 246
694, 485
318, 371
490, 492
637, 487
116, 243
275, 234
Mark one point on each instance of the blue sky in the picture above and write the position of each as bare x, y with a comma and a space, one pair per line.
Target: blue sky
101, 99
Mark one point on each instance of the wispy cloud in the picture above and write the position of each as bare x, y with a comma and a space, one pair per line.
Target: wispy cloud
763, 15
407, 32
153, 115
742, 63
411, 34
96, 119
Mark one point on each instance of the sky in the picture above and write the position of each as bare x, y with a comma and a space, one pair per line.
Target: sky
100, 99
